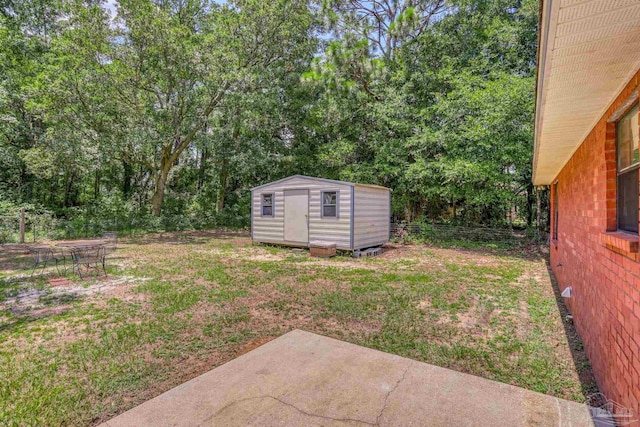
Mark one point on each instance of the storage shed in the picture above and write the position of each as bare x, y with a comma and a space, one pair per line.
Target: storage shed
300, 209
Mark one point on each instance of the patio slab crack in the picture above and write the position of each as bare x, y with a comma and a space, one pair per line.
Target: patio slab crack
291, 405
386, 398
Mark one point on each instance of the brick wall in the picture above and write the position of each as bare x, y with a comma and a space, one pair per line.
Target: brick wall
601, 265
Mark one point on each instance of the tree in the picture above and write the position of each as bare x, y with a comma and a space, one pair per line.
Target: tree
148, 86
385, 24
180, 106
475, 72
26, 30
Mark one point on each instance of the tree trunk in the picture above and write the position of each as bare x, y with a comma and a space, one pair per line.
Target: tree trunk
68, 190
126, 179
222, 190
160, 183
530, 203
203, 167
171, 154
96, 186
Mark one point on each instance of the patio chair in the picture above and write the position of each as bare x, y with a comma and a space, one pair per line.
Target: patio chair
111, 238
41, 256
89, 257
59, 255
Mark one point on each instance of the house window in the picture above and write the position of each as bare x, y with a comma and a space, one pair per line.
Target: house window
267, 204
627, 168
555, 211
330, 204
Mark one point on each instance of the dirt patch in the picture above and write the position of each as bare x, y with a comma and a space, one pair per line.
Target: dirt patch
424, 304
59, 281
43, 312
35, 298
14, 257
253, 344
236, 237
257, 255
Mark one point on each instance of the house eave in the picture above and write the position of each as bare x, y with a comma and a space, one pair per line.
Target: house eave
587, 54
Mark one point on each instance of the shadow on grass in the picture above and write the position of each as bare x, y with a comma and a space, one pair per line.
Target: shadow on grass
583, 366
15, 256
24, 319
186, 237
20, 315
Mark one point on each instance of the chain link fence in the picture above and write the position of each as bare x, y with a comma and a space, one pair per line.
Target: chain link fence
452, 232
9, 229
37, 225
44, 226
448, 232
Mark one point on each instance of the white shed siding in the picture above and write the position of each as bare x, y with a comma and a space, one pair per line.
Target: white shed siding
267, 229
371, 216
271, 230
336, 230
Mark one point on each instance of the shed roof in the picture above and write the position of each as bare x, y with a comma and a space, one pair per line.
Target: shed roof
588, 51
325, 180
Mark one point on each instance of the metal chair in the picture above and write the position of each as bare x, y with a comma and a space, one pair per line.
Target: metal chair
88, 257
111, 246
59, 255
41, 255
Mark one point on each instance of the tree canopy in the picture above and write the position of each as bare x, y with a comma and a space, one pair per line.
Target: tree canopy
180, 106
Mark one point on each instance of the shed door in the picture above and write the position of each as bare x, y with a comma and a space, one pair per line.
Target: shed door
296, 216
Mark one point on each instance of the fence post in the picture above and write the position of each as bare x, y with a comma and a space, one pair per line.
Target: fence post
22, 225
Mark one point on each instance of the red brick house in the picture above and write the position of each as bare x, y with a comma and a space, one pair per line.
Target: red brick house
586, 149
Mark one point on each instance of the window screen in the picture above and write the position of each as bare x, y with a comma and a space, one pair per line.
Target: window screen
330, 204
267, 204
627, 149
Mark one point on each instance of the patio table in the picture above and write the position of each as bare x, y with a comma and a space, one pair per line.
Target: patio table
81, 253
80, 243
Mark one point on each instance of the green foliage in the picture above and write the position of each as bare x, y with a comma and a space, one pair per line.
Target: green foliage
176, 109
446, 121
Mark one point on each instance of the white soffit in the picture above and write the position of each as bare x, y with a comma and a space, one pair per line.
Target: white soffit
588, 52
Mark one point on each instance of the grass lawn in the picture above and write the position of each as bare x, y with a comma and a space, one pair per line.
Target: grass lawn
177, 305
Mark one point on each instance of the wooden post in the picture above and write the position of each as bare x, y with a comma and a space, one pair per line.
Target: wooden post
22, 225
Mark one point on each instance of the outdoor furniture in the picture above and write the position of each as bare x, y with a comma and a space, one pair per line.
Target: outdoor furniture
111, 239
44, 254
59, 257
70, 244
89, 257
89, 254
41, 256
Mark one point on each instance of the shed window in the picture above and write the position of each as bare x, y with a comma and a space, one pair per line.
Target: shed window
329, 204
627, 149
267, 204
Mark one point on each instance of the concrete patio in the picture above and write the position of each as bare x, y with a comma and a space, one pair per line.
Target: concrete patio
303, 379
